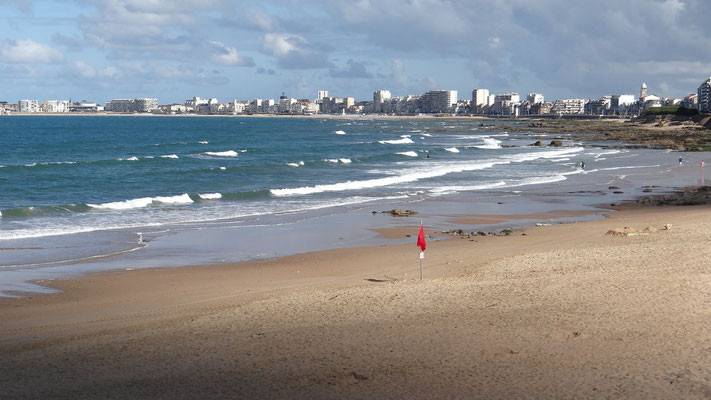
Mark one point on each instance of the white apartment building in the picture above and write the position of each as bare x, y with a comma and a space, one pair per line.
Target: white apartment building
704, 97
55, 106
140, 105
535, 98
439, 101
379, 97
176, 109
569, 106
28, 106
195, 103
145, 104
480, 97
512, 97
321, 94
505, 104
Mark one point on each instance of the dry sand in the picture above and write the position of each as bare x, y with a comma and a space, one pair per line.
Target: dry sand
564, 311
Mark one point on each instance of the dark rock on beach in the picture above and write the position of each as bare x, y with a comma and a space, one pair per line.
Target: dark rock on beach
397, 212
691, 196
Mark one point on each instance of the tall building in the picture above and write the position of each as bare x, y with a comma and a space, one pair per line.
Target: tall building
321, 94
141, 105
145, 104
55, 106
379, 97
439, 101
28, 106
480, 97
569, 106
643, 90
535, 98
704, 97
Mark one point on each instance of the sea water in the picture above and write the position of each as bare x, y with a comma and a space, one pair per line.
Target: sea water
82, 193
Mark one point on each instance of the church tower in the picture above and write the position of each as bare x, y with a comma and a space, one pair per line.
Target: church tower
643, 91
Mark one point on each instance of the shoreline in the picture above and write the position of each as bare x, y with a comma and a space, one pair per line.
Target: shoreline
341, 297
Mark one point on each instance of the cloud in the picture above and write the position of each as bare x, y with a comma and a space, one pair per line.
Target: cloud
22, 5
294, 51
27, 51
89, 72
228, 55
69, 42
252, 19
264, 71
397, 74
355, 70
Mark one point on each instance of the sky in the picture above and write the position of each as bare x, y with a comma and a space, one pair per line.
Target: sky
176, 49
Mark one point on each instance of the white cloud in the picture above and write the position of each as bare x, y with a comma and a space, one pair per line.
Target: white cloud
27, 51
228, 55
281, 44
294, 51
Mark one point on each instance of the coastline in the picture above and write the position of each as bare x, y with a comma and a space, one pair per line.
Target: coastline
555, 311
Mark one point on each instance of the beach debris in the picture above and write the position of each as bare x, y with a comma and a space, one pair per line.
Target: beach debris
542, 224
397, 212
506, 232
613, 187
556, 143
628, 231
457, 232
480, 233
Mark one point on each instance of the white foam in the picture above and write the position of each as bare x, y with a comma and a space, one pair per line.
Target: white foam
210, 196
521, 157
339, 132
293, 164
203, 142
143, 202
228, 153
449, 189
169, 156
405, 136
408, 153
332, 160
452, 149
345, 160
426, 134
406, 140
134, 158
490, 144
411, 176
223, 168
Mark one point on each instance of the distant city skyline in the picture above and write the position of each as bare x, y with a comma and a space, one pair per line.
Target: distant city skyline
98, 51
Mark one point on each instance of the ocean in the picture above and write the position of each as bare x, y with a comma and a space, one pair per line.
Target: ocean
86, 193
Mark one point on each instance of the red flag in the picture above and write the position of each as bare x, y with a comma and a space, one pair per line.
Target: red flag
421, 238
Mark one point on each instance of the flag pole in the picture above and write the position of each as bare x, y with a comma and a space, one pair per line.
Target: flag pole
422, 253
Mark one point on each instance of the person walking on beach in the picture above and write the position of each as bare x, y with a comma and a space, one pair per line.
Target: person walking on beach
680, 160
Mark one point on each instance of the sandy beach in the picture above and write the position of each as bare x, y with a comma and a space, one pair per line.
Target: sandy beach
560, 311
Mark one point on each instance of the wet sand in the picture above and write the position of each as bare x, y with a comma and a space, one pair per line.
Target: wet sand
560, 311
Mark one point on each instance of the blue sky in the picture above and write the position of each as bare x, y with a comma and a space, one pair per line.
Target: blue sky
173, 50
